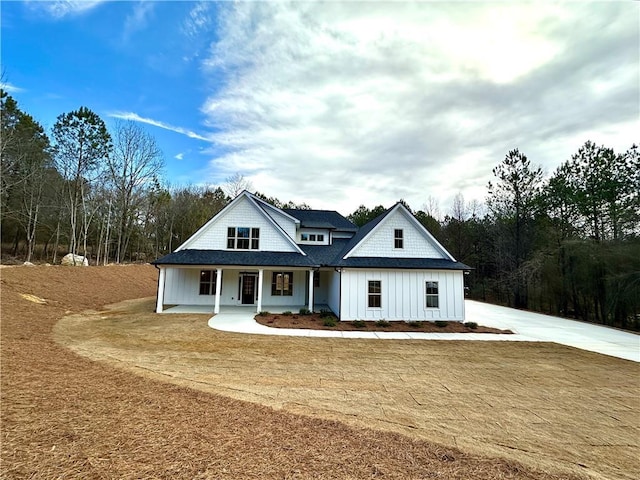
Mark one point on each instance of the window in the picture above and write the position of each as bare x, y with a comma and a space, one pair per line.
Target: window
316, 279
375, 293
207, 282
431, 295
243, 238
282, 284
397, 238
312, 237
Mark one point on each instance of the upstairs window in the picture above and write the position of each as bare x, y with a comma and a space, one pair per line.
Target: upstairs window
282, 284
312, 237
397, 238
208, 282
375, 294
431, 295
243, 238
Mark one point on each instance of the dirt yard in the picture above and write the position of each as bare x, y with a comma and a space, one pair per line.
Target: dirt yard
168, 397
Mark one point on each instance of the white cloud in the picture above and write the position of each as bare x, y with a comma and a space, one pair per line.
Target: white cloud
61, 8
134, 117
10, 87
198, 19
179, 156
336, 105
138, 18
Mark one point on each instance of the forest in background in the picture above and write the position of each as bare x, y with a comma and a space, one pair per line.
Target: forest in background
567, 244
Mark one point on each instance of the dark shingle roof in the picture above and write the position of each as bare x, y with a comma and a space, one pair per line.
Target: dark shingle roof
404, 263
228, 257
322, 219
317, 256
366, 228
326, 254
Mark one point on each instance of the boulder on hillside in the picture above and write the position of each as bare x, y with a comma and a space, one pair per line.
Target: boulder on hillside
74, 260
28, 264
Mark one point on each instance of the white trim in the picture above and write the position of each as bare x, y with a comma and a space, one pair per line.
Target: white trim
252, 198
268, 205
260, 282
411, 218
205, 227
216, 308
160, 299
311, 271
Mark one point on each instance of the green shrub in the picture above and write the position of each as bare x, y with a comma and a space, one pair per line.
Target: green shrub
263, 313
304, 311
329, 322
441, 323
414, 324
471, 325
359, 323
382, 323
324, 313
287, 313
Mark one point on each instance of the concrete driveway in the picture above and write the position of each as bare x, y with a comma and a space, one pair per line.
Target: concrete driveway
546, 328
527, 326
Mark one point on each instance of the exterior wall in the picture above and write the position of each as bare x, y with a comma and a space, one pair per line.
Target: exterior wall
333, 291
381, 242
320, 293
242, 214
342, 234
285, 223
182, 287
314, 231
403, 295
300, 289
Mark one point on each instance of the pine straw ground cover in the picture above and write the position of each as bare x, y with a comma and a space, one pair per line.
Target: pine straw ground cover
66, 416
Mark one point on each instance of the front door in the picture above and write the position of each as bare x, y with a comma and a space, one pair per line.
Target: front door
248, 289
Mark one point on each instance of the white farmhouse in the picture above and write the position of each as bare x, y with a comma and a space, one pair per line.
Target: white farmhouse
252, 253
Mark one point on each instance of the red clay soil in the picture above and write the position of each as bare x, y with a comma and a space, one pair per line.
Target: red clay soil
64, 416
316, 322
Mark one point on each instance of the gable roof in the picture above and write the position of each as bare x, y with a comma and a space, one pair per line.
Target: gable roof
309, 255
257, 203
368, 229
329, 219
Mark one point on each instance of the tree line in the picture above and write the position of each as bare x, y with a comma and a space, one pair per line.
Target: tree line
567, 245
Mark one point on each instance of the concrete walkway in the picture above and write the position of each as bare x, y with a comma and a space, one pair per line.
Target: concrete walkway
527, 327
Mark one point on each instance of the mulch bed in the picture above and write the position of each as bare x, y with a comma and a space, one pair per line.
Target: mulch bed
317, 322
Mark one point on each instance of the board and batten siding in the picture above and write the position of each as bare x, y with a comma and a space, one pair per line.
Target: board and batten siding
380, 242
182, 287
242, 214
403, 295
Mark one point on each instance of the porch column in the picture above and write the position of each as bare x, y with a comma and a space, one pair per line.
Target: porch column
260, 280
216, 308
160, 300
311, 272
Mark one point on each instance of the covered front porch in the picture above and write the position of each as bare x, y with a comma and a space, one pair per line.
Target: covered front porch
210, 289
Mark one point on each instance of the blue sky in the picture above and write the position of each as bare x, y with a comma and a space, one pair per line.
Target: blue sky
337, 103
